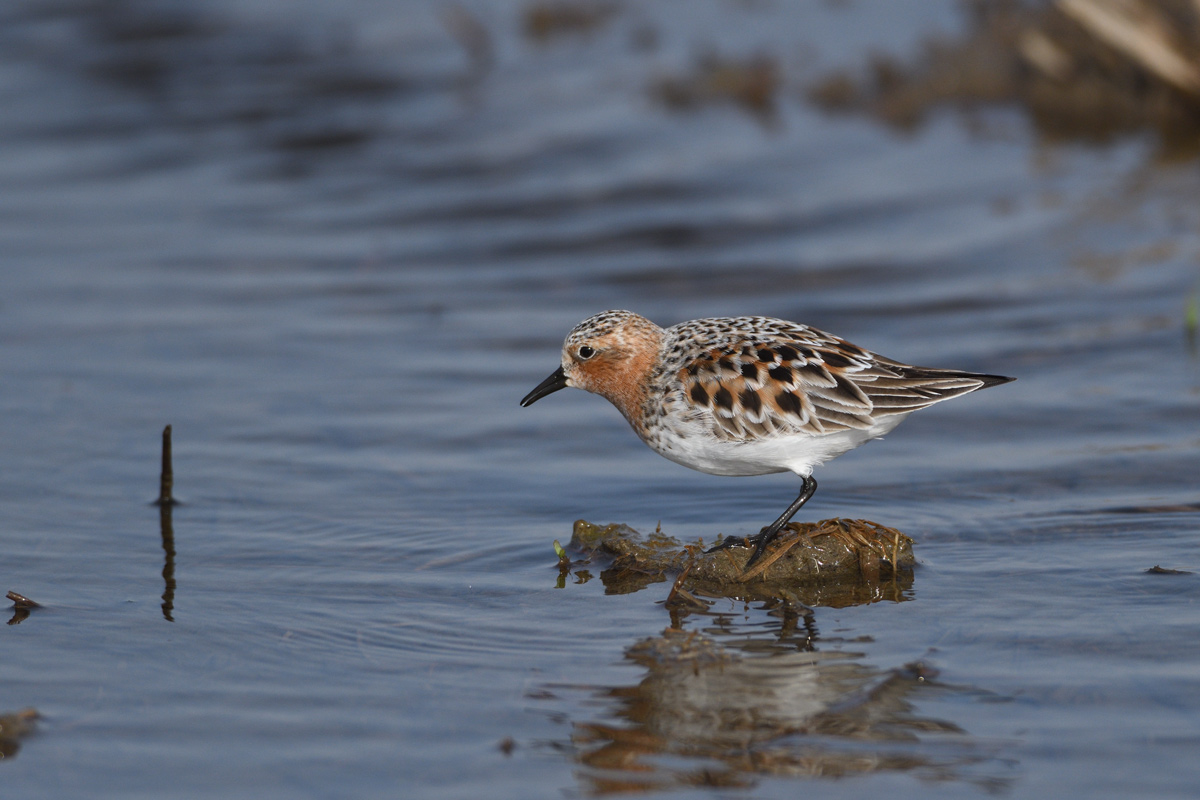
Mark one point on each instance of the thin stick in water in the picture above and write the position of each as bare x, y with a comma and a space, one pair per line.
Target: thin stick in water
167, 481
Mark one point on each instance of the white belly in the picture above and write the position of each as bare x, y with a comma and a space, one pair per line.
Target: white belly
695, 447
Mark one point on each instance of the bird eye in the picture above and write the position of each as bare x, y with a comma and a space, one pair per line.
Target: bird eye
586, 352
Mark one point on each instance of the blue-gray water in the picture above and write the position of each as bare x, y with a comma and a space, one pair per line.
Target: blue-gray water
333, 249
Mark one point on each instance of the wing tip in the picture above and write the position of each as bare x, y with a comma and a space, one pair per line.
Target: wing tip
987, 381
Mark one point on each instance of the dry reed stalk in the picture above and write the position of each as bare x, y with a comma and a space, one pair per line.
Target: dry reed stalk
1137, 30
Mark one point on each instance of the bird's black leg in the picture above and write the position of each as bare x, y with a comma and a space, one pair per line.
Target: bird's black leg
768, 534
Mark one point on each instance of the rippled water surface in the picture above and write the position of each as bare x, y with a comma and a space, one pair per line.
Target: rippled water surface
333, 245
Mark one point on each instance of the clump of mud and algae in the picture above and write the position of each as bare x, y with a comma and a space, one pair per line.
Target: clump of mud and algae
835, 562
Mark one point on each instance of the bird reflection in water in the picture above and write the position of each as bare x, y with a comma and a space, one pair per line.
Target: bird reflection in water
715, 715
726, 705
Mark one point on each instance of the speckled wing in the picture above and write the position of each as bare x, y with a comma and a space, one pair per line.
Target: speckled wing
758, 377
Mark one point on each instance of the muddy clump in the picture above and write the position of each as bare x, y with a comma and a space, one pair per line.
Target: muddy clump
834, 562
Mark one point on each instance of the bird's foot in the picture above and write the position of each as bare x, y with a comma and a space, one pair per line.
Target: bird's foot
739, 541
764, 538
729, 541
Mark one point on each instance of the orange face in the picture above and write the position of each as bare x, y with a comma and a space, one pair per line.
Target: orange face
614, 366
610, 354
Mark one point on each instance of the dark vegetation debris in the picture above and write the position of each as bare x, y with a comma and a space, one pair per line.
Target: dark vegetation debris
21, 601
751, 84
1082, 69
15, 726
22, 605
546, 20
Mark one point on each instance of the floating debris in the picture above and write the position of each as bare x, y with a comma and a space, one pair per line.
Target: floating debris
1083, 69
545, 20
22, 605
21, 601
1157, 570
834, 562
752, 84
15, 726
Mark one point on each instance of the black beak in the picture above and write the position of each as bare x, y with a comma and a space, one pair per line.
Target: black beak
556, 381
